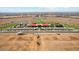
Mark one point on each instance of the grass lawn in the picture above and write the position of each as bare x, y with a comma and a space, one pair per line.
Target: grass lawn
8, 26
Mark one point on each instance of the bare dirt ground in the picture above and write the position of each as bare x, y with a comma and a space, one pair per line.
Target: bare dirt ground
30, 19
40, 42
62, 41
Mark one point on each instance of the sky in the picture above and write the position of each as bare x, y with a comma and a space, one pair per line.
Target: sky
39, 9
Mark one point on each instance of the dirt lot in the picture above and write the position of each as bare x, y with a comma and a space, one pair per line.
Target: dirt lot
37, 42
30, 19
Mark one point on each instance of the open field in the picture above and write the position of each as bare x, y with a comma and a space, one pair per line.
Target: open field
37, 42
69, 22
29, 18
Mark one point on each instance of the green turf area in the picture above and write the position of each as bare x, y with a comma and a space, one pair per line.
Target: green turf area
75, 26
39, 21
5, 26
67, 25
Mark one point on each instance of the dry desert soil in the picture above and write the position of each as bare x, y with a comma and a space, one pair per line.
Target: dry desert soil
39, 42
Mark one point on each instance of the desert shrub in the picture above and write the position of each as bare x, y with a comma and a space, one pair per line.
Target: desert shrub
58, 25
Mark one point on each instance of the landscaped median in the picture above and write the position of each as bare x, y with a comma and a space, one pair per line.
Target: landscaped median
74, 26
5, 26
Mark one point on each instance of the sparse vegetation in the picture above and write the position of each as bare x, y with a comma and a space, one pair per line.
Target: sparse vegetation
39, 21
5, 26
75, 26
58, 25
54, 41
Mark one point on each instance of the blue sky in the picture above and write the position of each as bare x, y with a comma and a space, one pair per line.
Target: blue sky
39, 9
